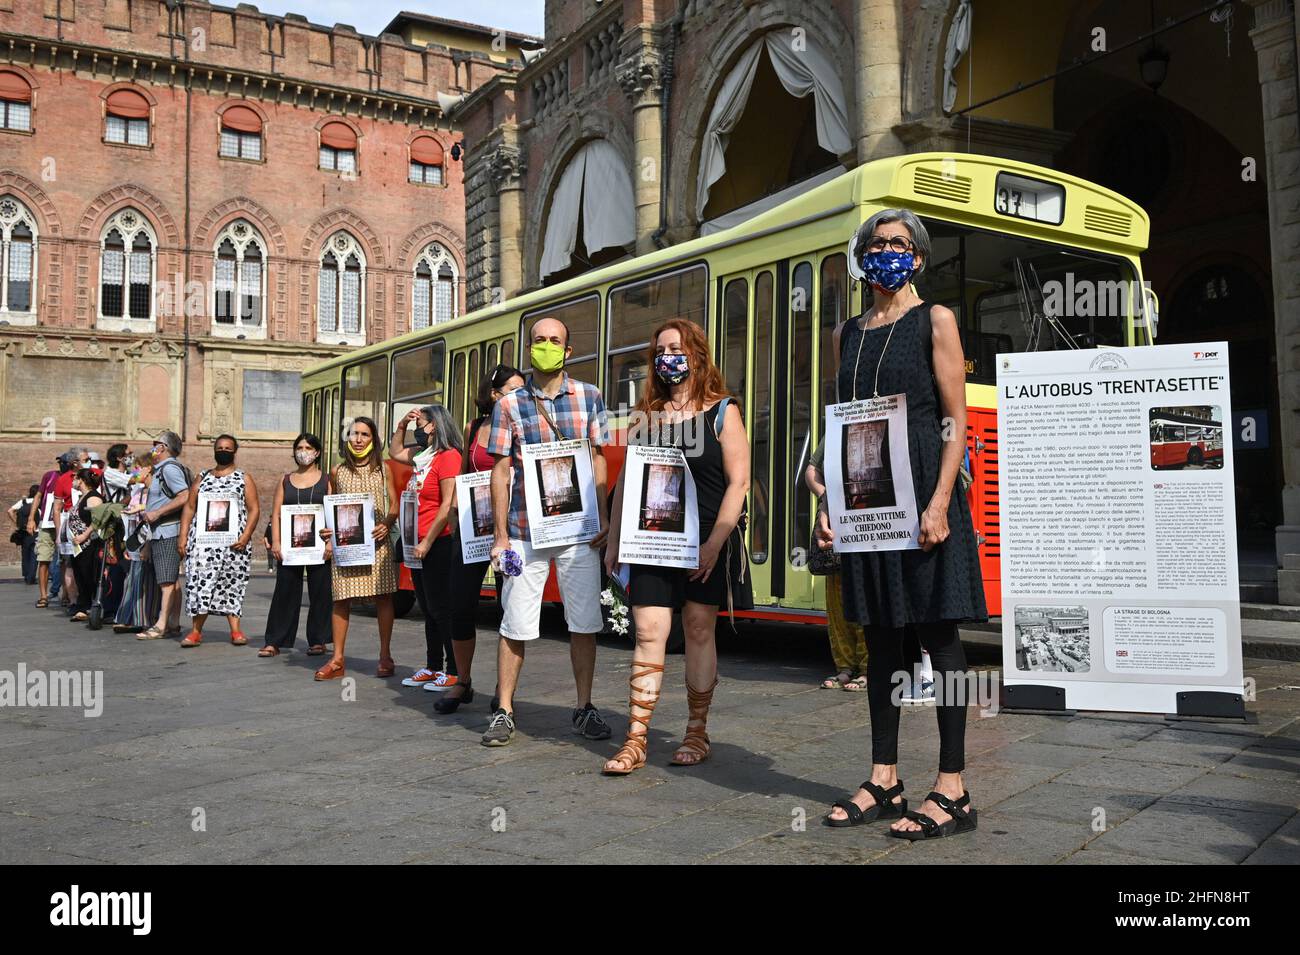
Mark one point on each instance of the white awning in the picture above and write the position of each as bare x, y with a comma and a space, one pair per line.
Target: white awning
749, 210
801, 71
958, 44
596, 181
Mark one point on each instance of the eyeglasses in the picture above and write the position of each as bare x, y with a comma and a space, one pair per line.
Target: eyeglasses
897, 243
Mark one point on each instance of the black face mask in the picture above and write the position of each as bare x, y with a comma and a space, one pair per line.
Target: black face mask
422, 437
224, 458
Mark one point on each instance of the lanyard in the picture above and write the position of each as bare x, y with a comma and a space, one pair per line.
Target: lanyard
547, 415
875, 387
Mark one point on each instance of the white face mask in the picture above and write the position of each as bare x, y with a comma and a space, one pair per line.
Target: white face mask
304, 457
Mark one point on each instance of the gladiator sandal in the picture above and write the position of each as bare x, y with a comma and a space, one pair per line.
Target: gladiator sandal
695, 747
632, 756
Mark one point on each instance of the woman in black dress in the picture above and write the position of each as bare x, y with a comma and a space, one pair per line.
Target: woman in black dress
904, 345
686, 405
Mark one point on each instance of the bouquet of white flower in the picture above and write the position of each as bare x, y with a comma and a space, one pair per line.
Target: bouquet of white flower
614, 599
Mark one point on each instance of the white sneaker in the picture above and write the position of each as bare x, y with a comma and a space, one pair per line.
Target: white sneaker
442, 681
421, 677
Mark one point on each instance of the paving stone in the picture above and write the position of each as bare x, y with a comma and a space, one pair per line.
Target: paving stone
1187, 832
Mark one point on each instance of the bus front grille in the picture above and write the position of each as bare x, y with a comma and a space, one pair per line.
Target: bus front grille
938, 185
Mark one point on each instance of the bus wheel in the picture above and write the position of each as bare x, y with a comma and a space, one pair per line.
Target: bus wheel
1194, 456
403, 601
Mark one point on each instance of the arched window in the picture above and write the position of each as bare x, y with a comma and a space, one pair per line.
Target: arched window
15, 102
434, 298
126, 267
241, 133
239, 277
17, 262
126, 118
338, 148
342, 289
426, 161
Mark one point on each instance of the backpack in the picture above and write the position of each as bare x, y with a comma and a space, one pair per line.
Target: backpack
718, 424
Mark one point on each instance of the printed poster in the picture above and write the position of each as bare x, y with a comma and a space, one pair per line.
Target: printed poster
474, 503
409, 524
300, 540
217, 520
869, 492
351, 519
560, 493
660, 521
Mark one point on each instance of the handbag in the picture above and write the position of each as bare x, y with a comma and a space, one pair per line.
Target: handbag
821, 562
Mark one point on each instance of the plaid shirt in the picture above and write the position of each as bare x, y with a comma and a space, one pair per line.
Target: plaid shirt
578, 411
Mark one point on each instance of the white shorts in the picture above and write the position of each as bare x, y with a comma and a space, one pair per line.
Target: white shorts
577, 569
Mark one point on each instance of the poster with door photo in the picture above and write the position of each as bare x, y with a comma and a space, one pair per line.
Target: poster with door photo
217, 520
351, 519
300, 540
474, 503
560, 493
660, 521
869, 492
409, 523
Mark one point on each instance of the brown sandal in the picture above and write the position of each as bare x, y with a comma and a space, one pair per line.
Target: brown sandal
696, 742
330, 671
316, 650
269, 652
631, 756
386, 668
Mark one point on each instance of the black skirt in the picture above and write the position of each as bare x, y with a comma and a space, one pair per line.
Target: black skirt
653, 586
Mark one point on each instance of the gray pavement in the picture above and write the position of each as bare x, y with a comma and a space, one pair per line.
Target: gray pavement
213, 755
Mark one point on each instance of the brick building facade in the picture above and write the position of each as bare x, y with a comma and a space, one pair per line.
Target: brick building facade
197, 201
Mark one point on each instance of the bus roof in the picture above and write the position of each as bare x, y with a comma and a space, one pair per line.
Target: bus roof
930, 184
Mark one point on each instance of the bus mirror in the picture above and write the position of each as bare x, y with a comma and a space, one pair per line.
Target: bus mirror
1151, 305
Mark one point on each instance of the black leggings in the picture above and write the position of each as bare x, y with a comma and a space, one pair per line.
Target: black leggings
435, 579
85, 570
885, 658
465, 601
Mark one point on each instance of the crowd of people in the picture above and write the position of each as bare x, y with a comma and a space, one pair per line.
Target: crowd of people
110, 536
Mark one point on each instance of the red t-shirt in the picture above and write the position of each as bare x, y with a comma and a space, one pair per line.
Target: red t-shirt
446, 464
63, 488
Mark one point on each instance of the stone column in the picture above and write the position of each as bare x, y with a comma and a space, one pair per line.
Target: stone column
641, 76
1275, 38
508, 167
879, 71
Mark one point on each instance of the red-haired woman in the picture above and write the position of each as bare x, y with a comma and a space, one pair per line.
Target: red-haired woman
688, 406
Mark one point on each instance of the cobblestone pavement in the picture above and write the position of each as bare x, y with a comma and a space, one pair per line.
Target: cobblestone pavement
214, 755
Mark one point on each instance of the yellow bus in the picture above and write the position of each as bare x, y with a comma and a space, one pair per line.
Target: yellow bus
1027, 257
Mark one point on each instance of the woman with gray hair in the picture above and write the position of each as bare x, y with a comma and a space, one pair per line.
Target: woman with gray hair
905, 346
435, 459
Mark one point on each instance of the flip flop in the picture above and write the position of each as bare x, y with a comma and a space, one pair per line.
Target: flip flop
856, 685
837, 681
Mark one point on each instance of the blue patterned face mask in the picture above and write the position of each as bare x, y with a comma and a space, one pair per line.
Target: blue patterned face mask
888, 270
672, 369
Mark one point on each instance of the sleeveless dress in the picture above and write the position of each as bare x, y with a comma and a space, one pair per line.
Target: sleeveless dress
729, 586
896, 587
217, 577
366, 580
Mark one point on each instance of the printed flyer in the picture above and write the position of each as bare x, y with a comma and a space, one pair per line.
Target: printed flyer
409, 523
560, 493
216, 520
869, 493
351, 519
660, 522
300, 540
1118, 528
474, 500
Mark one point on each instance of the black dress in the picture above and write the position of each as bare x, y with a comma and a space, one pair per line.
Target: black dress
894, 588
729, 585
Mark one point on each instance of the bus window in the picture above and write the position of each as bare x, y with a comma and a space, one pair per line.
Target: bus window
332, 437
365, 392
508, 351
833, 308
489, 362
583, 321
735, 330
417, 378
1025, 295
759, 418
634, 312
801, 400
473, 383
457, 403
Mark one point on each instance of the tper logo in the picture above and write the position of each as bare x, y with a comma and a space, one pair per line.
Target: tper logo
1204, 355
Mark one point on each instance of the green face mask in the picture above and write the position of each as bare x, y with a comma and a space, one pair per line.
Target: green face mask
548, 357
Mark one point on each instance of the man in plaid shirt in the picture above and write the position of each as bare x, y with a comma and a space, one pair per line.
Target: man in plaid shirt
520, 417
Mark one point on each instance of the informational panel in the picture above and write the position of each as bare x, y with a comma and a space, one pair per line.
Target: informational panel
660, 523
560, 493
1118, 530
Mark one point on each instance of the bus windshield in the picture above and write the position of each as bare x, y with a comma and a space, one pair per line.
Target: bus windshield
1013, 294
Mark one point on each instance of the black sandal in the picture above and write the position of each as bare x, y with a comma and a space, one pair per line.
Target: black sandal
963, 819
885, 807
